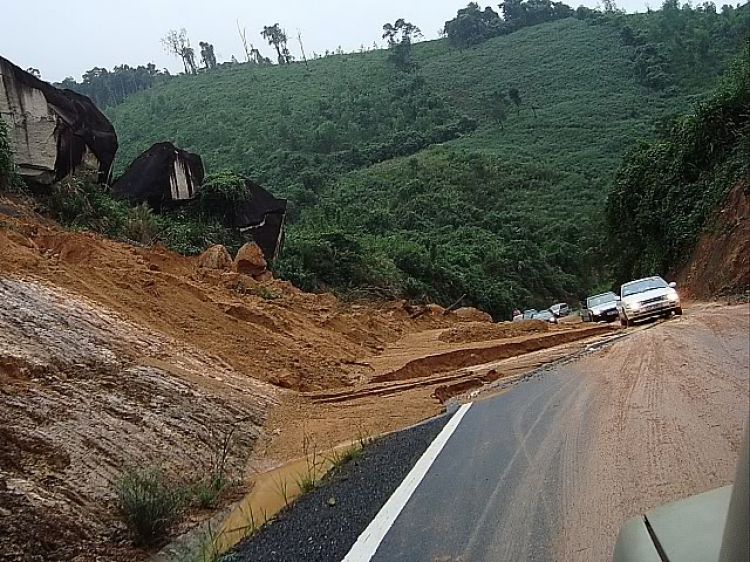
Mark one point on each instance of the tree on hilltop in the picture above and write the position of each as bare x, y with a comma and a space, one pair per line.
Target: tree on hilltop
277, 38
207, 55
178, 44
399, 36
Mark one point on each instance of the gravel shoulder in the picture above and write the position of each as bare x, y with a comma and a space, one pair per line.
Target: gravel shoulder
323, 525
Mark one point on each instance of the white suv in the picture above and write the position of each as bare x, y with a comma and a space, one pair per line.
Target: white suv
646, 298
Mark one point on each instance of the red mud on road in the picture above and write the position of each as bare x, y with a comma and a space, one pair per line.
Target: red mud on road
666, 408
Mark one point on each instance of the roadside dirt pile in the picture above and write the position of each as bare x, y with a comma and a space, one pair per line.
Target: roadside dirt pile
471, 314
720, 263
483, 332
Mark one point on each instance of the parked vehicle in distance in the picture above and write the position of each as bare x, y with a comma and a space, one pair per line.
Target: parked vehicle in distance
545, 316
600, 308
646, 298
527, 315
560, 309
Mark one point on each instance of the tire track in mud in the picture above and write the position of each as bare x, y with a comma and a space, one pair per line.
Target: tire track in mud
666, 408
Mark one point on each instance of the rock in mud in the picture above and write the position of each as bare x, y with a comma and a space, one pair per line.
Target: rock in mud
53, 132
162, 176
215, 257
250, 260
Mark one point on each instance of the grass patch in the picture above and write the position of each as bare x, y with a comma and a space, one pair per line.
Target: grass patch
149, 503
338, 459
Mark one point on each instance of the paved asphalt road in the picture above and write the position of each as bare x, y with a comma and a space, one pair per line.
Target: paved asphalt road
549, 469
460, 511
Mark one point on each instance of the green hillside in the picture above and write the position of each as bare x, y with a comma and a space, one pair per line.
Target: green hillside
667, 190
429, 182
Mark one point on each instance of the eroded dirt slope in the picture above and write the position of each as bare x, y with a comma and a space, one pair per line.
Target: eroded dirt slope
720, 263
114, 356
85, 393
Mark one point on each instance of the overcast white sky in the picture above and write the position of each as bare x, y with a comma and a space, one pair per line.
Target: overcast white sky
66, 38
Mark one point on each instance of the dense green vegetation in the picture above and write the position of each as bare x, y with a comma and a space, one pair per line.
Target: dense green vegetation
81, 203
667, 189
676, 45
479, 170
111, 87
7, 177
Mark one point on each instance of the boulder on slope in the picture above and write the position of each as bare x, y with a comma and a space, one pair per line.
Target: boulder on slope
250, 260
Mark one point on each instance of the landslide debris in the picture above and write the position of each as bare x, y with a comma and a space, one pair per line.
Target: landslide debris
465, 333
113, 355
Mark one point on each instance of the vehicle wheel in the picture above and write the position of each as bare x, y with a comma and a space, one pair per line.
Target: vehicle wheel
678, 311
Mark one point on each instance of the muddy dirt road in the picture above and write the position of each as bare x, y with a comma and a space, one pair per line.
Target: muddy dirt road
549, 469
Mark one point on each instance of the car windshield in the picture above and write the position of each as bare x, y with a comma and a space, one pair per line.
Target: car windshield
543, 314
600, 300
643, 285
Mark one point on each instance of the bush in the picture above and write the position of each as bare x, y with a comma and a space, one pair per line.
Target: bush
143, 225
7, 174
150, 504
80, 202
208, 490
220, 194
189, 233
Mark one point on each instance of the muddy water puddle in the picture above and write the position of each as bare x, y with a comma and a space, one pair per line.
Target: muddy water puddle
271, 492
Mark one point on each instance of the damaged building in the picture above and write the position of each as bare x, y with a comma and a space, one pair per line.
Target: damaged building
165, 177
53, 132
263, 218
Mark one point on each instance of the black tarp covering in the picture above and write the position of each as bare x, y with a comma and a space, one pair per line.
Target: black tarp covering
152, 176
263, 218
80, 126
150, 179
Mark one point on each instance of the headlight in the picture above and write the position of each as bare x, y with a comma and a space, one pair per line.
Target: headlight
633, 306
674, 297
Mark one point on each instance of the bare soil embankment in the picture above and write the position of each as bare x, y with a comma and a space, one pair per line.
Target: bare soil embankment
720, 262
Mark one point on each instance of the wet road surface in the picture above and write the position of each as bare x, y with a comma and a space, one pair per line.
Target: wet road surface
549, 469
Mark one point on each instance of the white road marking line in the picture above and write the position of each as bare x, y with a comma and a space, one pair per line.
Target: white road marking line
369, 541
